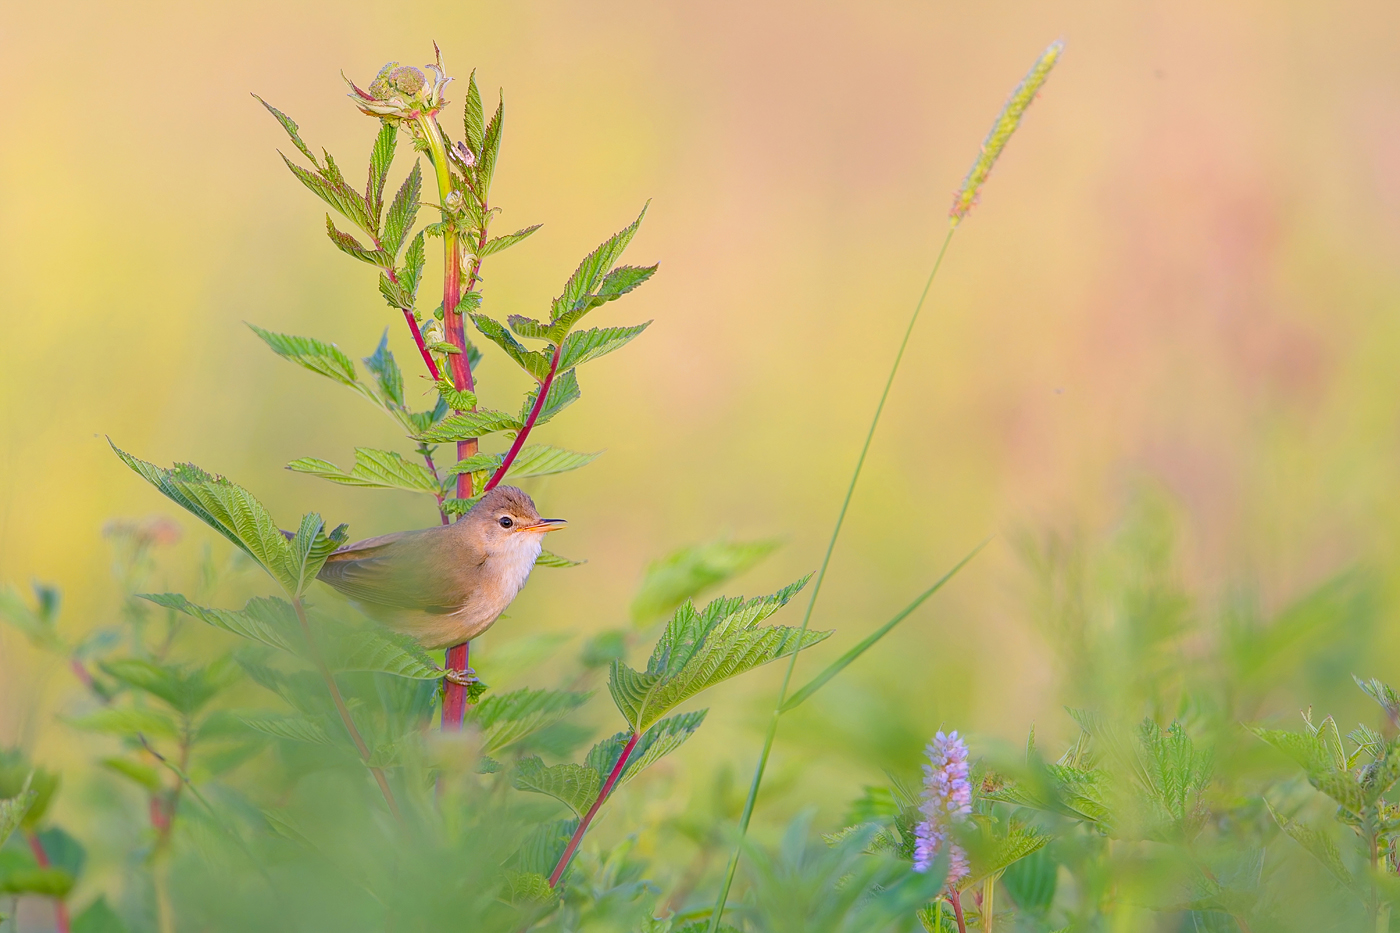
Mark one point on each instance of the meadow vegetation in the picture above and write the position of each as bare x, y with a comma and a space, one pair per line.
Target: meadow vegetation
268, 758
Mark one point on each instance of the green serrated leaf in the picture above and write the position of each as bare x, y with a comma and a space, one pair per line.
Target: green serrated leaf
377, 469
586, 345
581, 290
270, 621
473, 119
351, 246
386, 371
661, 740
574, 785
546, 559
563, 392
490, 150
404, 210
323, 358
382, 652
332, 189
505, 719
498, 243
528, 327
234, 513
469, 424
144, 775
701, 648
292, 130
127, 722
458, 401
292, 728
380, 158
412, 273
1319, 845
13, 810
544, 460
532, 361
186, 690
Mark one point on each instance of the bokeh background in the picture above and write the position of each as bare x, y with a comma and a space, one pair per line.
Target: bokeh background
1180, 284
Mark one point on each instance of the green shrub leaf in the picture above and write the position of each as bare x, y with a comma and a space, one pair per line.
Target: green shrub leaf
701, 648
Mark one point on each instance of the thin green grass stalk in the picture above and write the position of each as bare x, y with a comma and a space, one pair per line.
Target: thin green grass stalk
1002, 129
772, 734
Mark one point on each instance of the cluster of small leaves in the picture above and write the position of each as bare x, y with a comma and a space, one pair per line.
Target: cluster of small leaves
1357, 780
387, 231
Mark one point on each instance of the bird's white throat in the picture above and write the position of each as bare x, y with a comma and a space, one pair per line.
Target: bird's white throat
515, 560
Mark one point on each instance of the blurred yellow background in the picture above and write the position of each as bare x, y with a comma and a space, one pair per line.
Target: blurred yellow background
1181, 275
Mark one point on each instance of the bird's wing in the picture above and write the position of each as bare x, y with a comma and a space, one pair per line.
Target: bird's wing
400, 571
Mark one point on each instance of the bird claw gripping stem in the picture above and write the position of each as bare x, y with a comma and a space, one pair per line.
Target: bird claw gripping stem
464, 678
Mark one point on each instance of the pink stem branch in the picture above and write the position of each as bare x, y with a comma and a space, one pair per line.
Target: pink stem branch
593, 810
529, 422
60, 906
422, 347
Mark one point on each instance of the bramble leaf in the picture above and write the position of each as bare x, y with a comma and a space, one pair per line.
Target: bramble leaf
13, 809
579, 291
377, 469
532, 361
323, 358
1319, 845
381, 652
585, 345
413, 260
528, 327
351, 246
270, 621
234, 513
403, 210
292, 728
701, 648
473, 119
563, 392
575, 785
458, 401
127, 722
490, 149
332, 189
544, 460
387, 374
380, 158
505, 719
292, 130
185, 690
547, 559
469, 424
498, 243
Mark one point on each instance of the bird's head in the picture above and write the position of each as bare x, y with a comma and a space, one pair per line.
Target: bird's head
506, 516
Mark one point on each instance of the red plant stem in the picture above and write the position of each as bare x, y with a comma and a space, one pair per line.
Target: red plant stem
60, 906
529, 422
454, 702
593, 810
344, 711
81, 672
956, 898
422, 347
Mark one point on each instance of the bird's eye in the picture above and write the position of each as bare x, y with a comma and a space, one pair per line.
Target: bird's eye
505, 521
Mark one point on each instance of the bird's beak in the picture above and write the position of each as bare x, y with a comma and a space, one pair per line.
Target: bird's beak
548, 524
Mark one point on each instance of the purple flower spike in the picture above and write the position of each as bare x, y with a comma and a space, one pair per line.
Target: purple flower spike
947, 802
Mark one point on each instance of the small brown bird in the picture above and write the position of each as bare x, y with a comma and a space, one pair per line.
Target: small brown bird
448, 584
